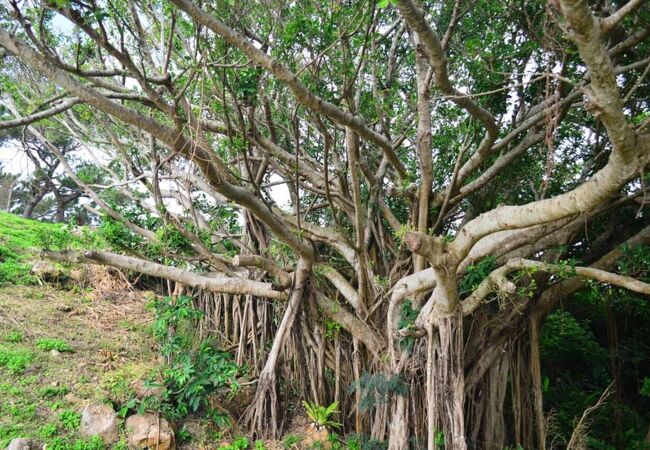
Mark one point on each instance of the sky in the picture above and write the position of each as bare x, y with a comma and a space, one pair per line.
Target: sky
14, 160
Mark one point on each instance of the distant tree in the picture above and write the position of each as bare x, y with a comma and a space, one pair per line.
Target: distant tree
7, 185
446, 163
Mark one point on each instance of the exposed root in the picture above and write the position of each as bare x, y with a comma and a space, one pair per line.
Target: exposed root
261, 414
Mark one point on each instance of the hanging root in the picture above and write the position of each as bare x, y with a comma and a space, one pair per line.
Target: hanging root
448, 382
261, 414
578, 439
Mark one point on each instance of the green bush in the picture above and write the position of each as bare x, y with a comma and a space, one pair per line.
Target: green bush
193, 371
15, 360
55, 239
70, 420
48, 344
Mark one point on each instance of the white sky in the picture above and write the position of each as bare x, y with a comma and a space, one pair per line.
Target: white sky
14, 160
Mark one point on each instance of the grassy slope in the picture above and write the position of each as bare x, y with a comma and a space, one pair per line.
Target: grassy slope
19, 233
110, 347
42, 393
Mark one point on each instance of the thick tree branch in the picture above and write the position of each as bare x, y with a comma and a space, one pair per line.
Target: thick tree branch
62, 106
237, 286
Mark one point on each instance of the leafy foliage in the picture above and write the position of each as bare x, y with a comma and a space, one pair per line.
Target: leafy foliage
376, 389
476, 273
15, 361
49, 344
240, 443
194, 370
321, 416
70, 420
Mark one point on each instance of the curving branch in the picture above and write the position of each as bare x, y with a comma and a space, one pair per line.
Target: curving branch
237, 286
62, 106
497, 281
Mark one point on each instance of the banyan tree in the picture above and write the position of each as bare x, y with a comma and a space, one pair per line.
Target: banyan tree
374, 202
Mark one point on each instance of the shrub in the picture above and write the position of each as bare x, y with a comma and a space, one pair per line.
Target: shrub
15, 360
14, 337
70, 420
193, 371
48, 344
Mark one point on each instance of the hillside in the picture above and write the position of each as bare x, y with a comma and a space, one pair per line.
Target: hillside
74, 335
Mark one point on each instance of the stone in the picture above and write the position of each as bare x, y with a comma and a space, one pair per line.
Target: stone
24, 444
73, 399
150, 431
55, 352
143, 390
45, 271
316, 437
100, 420
78, 275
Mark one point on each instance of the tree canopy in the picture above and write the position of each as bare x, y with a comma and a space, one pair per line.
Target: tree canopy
453, 171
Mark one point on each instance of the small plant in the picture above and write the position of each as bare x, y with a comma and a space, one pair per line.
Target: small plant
291, 441
240, 443
645, 387
58, 404
260, 445
121, 445
70, 420
49, 344
183, 436
53, 391
353, 442
47, 431
15, 361
321, 416
15, 337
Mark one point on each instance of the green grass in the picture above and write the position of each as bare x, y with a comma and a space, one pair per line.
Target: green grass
21, 239
21, 233
49, 344
14, 337
15, 361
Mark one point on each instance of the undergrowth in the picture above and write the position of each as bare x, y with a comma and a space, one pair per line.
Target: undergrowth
15, 361
194, 370
49, 344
